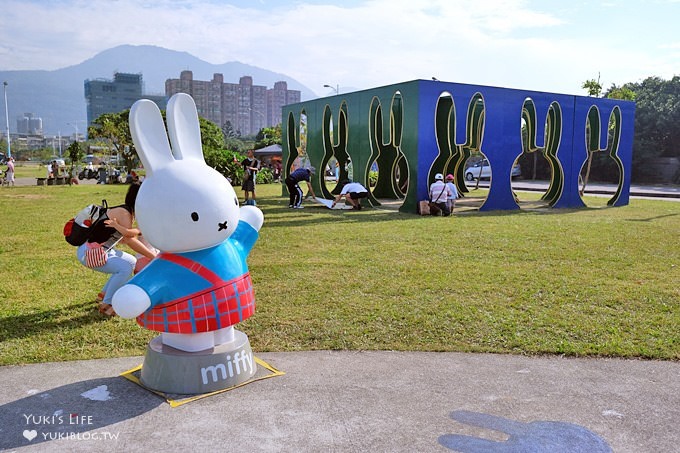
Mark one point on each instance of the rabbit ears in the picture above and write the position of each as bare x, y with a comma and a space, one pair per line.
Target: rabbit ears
151, 140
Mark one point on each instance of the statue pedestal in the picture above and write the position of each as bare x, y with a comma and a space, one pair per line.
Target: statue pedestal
170, 370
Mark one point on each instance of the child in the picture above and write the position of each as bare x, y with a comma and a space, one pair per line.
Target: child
451, 199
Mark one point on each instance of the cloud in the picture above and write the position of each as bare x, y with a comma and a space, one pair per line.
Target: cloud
359, 44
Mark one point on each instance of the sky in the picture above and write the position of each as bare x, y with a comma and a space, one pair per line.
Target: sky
543, 45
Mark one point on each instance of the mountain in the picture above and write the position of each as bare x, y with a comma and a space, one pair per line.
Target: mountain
58, 96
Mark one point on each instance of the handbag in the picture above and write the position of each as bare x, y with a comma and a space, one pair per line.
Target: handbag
96, 255
434, 207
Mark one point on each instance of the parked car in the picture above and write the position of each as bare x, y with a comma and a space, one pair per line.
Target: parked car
482, 170
60, 162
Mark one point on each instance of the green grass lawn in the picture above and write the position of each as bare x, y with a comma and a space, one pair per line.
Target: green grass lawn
587, 282
29, 169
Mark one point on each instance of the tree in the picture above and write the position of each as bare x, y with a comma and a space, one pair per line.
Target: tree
227, 162
593, 86
76, 154
211, 135
115, 129
268, 136
228, 130
623, 92
657, 121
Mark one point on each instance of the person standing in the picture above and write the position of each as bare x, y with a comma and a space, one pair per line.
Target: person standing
353, 193
9, 174
250, 168
451, 199
293, 183
439, 193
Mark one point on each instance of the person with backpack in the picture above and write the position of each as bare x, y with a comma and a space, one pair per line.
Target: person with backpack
117, 226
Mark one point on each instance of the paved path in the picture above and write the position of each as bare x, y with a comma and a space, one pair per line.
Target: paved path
355, 402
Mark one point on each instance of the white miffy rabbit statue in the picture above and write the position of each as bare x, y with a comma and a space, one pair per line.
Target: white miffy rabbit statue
199, 286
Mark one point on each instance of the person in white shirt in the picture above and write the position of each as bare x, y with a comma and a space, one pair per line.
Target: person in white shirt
353, 193
439, 193
451, 199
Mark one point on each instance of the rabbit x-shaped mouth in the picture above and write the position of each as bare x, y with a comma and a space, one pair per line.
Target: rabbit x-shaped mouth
221, 225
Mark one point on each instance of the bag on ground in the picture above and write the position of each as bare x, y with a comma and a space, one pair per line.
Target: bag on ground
424, 207
78, 229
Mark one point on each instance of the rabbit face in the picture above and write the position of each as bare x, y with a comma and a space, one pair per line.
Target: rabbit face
183, 204
178, 212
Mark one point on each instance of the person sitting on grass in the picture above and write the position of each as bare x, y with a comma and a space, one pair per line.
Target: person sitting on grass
353, 193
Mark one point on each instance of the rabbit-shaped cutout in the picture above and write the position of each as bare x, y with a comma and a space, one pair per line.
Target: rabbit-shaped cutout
199, 286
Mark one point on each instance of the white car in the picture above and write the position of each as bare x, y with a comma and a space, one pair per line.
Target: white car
482, 170
60, 162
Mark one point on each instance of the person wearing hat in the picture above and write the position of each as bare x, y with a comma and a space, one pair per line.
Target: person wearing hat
353, 193
293, 183
451, 199
439, 193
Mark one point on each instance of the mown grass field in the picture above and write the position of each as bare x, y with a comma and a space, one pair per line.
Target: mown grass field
587, 282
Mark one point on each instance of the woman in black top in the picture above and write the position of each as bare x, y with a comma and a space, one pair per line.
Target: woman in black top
119, 264
250, 168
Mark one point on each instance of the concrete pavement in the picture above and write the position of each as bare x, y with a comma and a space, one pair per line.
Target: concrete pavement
355, 402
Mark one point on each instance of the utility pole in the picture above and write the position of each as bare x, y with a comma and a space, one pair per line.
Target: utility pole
9, 151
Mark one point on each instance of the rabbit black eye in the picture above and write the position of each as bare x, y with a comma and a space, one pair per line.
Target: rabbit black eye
194, 216
236, 201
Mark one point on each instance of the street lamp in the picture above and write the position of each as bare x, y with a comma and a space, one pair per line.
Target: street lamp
75, 125
264, 118
9, 151
335, 88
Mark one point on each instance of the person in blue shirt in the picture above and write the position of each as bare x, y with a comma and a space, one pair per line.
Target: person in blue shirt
293, 183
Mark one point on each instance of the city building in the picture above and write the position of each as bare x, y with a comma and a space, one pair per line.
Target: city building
114, 96
278, 97
245, 107
29, 125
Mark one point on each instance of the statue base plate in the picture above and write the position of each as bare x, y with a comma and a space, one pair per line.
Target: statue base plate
171, 370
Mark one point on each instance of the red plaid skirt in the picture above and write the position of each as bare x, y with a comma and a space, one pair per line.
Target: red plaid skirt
222, 305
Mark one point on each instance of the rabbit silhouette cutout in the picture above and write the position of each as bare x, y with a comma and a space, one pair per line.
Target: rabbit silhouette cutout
199, 286
523, 437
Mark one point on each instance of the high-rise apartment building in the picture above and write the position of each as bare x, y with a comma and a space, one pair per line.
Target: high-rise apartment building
246, 107
29, 125
277, 97
114, 96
